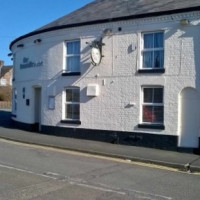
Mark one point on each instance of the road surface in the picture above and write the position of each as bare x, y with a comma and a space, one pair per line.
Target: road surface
29, 172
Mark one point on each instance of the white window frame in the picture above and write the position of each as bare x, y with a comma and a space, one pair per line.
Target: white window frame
152, 49
72, 55
65, 103
3, 82
150, 104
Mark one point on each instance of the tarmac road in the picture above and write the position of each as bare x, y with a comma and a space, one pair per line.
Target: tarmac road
29, 172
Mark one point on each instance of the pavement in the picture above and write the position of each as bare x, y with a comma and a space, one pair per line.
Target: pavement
179, 160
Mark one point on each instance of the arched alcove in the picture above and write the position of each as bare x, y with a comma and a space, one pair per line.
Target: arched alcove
189, 118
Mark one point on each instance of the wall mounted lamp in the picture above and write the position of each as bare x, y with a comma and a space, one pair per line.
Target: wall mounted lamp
185, 22
10, 54
37, 41
20, 45
107, 32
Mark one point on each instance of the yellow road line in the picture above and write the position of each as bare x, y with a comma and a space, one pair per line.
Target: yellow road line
77, 153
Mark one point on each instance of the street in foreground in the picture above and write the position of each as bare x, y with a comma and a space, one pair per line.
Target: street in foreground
35, 173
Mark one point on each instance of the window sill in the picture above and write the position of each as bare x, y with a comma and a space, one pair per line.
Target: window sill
65, 121
152, 126
71, 73
148, 71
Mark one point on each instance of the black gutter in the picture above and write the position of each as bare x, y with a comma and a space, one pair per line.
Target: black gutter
169, 12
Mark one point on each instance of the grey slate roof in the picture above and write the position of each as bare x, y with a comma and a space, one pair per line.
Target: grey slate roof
102, 11
109, 9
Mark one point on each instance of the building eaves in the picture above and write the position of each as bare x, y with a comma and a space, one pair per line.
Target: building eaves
104, 11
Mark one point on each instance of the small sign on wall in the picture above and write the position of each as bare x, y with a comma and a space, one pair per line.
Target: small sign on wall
51, 103
93, 90
29, 64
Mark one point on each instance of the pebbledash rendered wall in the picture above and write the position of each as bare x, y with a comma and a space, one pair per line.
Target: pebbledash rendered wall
109, 116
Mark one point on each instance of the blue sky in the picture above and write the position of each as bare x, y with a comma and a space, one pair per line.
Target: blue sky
18, 17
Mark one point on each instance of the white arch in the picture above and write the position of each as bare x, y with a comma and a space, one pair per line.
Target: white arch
189, 118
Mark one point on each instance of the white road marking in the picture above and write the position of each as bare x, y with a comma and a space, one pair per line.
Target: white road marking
77, 182
97, 188
52, 174
27, 171
47, 175
150, 194
145, 194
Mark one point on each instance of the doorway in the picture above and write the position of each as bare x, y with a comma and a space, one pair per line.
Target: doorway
37, 108
189, 123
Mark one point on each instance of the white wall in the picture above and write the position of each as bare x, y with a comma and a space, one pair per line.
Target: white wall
110, 110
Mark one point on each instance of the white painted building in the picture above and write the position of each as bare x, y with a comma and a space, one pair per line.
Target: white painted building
145, 90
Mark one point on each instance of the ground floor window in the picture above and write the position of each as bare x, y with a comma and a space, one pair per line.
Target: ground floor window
14, 99
152, 105
72, 103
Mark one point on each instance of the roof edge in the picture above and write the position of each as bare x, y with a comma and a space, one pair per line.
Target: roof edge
197, 8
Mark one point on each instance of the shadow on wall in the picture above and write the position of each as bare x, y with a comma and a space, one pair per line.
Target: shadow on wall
193, 32
190, 31
86, 67
86, 98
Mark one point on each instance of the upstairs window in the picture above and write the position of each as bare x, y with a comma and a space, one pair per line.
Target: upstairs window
152, 105
153, 50
73, 56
